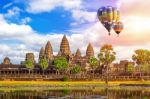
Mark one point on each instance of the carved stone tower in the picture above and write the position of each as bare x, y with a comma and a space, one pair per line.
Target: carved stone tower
48, 52
41, 54
64, 47
90, 51
78, 53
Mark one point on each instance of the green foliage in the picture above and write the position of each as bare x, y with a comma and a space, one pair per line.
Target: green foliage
76, 69
66, 91
44, 63
61, 63
65, 78
141, 56
107, 54
130, 68
93, 62
144, 68
29, 64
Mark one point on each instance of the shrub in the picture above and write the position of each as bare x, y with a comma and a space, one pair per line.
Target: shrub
76, 69
65, 78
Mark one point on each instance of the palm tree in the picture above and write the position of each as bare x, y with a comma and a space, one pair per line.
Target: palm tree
44, 64
93, 63
106, 57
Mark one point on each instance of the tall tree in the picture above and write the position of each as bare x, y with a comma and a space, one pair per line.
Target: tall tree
93, 63
106, 57
142, 58
29, 64
44, 64
61, 64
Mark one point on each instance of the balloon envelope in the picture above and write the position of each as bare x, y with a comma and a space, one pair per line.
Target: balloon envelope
118, 27
108, 16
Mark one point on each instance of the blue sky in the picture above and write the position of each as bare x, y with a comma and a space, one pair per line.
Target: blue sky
26, 26
57, 20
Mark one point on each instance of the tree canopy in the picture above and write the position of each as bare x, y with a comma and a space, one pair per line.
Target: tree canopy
29, 64
44, 63
76, 69
93, 62
141, 56
144, 67
61, 63
107, 54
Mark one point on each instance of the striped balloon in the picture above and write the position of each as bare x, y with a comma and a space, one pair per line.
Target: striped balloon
118, 27
108, 16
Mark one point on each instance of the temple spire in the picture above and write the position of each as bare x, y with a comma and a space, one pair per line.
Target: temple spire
48, 51
41, 54
64, 47
90, 51
78, 53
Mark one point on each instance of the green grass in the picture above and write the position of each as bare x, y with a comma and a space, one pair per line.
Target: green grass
57, 85
67, 83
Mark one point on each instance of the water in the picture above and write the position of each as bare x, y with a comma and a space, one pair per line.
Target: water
75, 93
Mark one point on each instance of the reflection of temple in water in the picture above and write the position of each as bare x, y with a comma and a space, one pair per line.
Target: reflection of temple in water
78, 94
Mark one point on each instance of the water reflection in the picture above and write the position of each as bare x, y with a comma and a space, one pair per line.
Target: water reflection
97, 93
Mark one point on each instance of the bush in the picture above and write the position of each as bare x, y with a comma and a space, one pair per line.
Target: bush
65, 78
76, 69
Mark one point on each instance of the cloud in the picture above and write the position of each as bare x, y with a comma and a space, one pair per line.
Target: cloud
31, 41
82, 16
25, 20
7, 5
137, 8
15, 11
38, 6
135, 34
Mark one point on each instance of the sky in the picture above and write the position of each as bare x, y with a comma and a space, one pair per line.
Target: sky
26, 26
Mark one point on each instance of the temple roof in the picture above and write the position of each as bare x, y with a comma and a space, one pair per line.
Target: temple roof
78, 53
90, 51
48, 50
42, 51
64, 47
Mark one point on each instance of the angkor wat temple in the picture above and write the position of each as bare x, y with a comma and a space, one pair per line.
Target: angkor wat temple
9, 70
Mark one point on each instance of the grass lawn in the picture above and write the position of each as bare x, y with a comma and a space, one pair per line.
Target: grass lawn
66, 83
8, 86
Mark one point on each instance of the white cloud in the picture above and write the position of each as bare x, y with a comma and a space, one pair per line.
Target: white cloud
7, 5
32, 41
25, 20
82, 16
15, 11
38, 6
133, 36
76, 7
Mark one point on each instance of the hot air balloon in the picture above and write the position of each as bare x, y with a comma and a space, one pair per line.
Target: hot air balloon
108, 16
118, 26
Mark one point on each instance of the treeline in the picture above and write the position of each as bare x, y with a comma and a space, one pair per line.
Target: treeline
106, 56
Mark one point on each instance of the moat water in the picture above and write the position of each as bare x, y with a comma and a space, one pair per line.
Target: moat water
71, 93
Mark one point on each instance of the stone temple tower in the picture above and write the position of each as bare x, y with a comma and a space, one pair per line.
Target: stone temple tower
78, 53
41, 54
30, 56
90, 51
64, 47
48, 54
